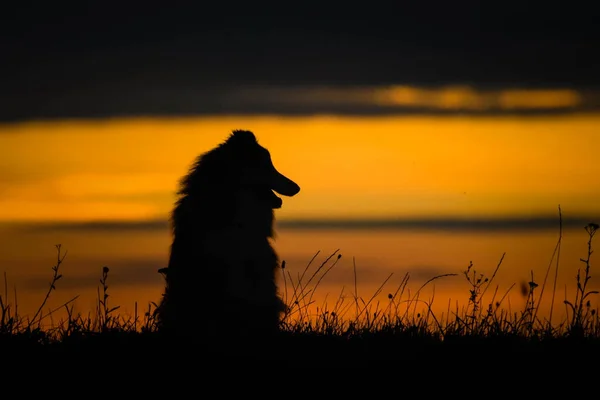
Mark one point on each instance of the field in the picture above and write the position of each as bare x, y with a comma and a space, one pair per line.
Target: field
352, 332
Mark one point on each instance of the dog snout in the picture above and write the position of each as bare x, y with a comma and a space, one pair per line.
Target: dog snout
284, 185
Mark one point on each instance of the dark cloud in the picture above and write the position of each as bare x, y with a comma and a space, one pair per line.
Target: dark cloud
98, 61
161, 100
517, 223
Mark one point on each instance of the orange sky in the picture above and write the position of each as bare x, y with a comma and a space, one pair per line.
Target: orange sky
347, 167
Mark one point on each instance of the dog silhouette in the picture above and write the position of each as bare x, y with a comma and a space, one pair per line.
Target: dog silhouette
220, 280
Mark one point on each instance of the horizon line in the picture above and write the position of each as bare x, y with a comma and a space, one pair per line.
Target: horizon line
492, 224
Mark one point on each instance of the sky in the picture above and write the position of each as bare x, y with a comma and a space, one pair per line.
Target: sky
367, 168
101, 61
431, 117
371, 85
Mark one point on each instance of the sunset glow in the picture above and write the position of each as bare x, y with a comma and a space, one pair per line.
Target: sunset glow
347, 167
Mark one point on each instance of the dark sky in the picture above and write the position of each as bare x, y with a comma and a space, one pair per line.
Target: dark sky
101, 60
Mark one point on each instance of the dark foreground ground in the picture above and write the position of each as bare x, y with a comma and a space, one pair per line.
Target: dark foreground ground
314, 351
301, 365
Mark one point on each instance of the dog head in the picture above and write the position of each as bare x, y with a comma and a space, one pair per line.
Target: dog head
255, 171
233, 184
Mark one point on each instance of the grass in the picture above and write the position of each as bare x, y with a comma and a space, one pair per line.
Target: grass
352, 327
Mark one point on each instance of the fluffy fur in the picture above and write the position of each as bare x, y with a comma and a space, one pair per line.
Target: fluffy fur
221, 274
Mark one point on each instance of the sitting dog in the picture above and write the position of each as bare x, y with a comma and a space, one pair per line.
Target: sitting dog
220, 280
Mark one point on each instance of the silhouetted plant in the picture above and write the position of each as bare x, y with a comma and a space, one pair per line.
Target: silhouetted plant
527, 320
581, 307
104, 311
55, 277
8, 322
